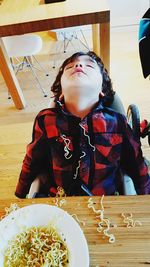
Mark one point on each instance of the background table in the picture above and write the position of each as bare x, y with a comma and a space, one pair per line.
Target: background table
20, 17
132, 245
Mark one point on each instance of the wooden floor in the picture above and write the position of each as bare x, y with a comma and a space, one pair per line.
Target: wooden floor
16, 125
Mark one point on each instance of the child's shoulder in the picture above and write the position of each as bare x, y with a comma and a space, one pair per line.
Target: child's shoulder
47, 112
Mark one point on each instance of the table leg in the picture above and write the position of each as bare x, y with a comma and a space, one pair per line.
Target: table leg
101, 42
10, 78
96, 40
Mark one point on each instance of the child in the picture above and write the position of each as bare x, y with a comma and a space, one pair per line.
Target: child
81, 144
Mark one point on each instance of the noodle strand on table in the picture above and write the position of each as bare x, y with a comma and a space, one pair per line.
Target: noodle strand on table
104, 224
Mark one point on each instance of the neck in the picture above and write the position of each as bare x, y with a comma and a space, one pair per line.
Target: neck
80, 107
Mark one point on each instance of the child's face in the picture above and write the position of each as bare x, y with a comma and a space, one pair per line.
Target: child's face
82, 76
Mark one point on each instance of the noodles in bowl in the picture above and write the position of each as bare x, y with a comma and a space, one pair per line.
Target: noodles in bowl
37, 246
42, 235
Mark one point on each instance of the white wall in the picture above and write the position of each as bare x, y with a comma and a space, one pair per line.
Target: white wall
127, 12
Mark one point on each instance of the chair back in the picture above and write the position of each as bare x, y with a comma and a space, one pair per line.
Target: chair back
22, 45
117, 105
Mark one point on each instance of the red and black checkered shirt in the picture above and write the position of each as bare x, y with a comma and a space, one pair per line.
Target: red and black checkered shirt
93, 151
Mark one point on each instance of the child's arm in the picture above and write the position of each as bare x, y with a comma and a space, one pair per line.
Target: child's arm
34, 160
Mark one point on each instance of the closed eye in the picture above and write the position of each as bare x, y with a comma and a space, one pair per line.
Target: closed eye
90, 66
68, 67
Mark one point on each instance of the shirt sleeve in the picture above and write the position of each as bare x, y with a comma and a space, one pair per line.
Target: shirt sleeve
133, 161
34, 160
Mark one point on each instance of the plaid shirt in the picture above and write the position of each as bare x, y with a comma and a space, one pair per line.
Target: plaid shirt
92, 152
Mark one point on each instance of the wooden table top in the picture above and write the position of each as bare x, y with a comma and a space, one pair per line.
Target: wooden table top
131, 246
25, 15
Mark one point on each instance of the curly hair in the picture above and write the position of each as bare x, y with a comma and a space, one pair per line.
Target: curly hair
107, 88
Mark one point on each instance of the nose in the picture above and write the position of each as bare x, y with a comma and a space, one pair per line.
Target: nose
79, 64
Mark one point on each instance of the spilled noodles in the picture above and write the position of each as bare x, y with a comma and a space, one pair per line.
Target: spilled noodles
36, 247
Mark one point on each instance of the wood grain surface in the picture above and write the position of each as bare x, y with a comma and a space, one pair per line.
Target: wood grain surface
132, 245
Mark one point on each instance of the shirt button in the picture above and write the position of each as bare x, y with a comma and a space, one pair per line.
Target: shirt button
83, 169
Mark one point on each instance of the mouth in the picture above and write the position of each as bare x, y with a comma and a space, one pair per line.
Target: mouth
78, 70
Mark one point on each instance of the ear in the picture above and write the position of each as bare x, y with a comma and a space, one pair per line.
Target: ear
101, 94
61, 97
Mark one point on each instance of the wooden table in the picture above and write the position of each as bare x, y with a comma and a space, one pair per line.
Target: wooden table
27, 18
132, 245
